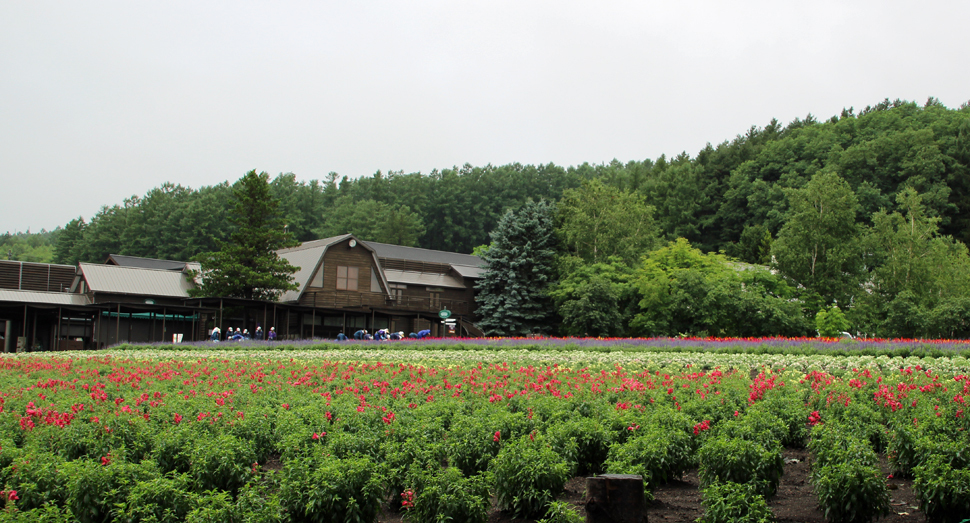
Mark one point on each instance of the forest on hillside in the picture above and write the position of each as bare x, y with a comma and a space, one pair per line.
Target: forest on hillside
893, 167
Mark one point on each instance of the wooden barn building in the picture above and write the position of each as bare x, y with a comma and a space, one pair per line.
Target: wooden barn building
344, 284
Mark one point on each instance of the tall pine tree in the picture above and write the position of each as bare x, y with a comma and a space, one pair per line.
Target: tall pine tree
248, 266
513, 293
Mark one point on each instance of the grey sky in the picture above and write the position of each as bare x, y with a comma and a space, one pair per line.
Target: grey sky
103, 100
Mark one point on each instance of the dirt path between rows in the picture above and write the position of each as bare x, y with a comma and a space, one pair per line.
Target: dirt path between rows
680, 501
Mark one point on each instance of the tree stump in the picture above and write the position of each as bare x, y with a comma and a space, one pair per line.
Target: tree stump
615, 498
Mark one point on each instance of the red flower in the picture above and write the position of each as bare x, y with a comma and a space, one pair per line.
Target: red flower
498, 435
105, 460
178, 418
407, 498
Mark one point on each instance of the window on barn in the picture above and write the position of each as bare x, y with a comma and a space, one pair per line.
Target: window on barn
346, 278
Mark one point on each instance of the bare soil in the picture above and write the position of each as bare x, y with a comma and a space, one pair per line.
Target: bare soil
680, 501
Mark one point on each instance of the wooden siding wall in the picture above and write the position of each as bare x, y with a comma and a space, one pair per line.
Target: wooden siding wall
344, 255
459, 301
28, 276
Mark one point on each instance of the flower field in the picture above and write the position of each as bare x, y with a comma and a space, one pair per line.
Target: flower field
346, 433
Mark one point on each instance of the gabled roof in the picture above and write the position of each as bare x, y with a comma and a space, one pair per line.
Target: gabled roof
466, 271
385, 250
43, 298
114, 279
307, 257
145, 263
430, 279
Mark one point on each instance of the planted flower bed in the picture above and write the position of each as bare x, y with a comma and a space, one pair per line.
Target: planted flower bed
361, 432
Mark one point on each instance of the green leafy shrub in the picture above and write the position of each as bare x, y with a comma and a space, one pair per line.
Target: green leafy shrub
791, 411
901, 450
39, 478
846, 476
654, 453
49, 513
258, 430
259, 502
94, 489
173, 447
222, 462
943, 491
954, 449
527, 476
583, 441
833, 444
756, 425
850, 491
213, 506
561, 512
332, 490
731, 502
166, 499
473, 441
741, 461
448, 496
405, 459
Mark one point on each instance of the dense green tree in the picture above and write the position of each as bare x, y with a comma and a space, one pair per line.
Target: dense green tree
595, 299
754, 245
916, 272
596, 222
30, 247
819, 246
831, 322
66, 248
513, 297
685, 291
247, 266
374, 221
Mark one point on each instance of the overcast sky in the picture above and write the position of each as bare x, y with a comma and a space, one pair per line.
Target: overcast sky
103, 100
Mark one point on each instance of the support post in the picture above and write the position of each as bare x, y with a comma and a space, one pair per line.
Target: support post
56, 342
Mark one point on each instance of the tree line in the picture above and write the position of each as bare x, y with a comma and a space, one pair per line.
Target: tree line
750, 198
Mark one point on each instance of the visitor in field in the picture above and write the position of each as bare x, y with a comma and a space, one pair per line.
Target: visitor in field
237, 336
259, 333
216, 334
341, 337
359, 335
424, 333
396, 335
272, 334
